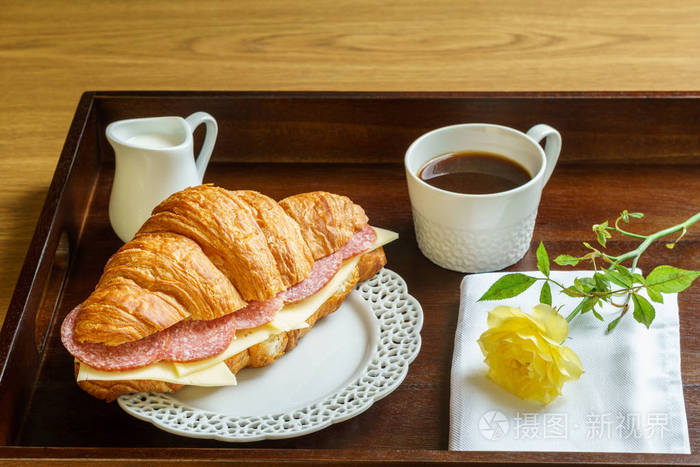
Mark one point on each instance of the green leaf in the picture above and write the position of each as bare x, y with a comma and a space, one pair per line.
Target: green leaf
673, 244
588, 283
600, 236
601, 283
571, 292
601, 231
588, 304
566, 260
667, 279
617, 278
655, 296
598, 315
638, 279
625, 272
546, 294
613, 324
508, 286
542, 260
643, 310
575, 311
625, 215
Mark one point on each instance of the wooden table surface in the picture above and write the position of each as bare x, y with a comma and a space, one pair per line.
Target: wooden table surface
51, 52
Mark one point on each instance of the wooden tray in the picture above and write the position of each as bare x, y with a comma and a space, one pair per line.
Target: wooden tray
621, 150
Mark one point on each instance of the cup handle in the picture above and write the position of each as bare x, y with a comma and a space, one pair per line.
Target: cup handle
194, 121
552, 146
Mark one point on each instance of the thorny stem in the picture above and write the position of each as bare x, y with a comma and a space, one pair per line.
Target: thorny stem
553, 281
624, 232
649, 239
575, 312
634, 254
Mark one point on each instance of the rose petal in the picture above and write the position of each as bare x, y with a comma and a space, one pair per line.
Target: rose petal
556, 327
500, 314
524, 354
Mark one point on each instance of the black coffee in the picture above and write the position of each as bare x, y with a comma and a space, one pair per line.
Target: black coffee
474, 172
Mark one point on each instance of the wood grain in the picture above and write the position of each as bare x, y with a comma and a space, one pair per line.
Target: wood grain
415, 416
51, 52
658, 174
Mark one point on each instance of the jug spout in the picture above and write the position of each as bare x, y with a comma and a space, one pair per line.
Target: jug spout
149, 133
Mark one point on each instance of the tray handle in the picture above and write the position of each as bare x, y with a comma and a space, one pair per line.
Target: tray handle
50, 297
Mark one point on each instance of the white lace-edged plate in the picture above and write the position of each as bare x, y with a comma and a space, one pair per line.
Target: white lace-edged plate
358, 355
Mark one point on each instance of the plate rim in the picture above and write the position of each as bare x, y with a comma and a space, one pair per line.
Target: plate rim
355, 376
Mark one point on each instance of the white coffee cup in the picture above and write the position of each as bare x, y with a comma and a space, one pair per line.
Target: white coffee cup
483, 232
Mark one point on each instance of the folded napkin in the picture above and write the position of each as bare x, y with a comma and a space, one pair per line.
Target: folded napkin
629, 398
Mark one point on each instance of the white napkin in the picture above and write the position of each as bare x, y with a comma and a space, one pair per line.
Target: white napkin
629, 398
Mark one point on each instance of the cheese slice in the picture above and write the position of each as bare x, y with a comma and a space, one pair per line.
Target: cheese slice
209, 372
216, 375
290, 317
383, 237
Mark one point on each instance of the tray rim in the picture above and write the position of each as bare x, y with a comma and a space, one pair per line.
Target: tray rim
685, 94
29, 280
38, 244
341, 456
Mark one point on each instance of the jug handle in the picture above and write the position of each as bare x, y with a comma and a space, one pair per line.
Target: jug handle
193, 121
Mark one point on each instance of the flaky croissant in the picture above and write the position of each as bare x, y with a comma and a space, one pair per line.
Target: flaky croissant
205, 252
259, 355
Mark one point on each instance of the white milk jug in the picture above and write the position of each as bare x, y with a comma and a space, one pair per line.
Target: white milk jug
154, 158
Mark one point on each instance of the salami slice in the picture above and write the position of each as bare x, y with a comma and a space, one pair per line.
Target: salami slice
113, 358
324, 269
196, 339
257, 313
184, 342
358, 243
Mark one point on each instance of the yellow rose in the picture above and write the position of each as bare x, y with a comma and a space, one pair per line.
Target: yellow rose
524, 354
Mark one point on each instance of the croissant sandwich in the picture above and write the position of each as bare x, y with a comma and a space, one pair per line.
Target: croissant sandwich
216, 281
